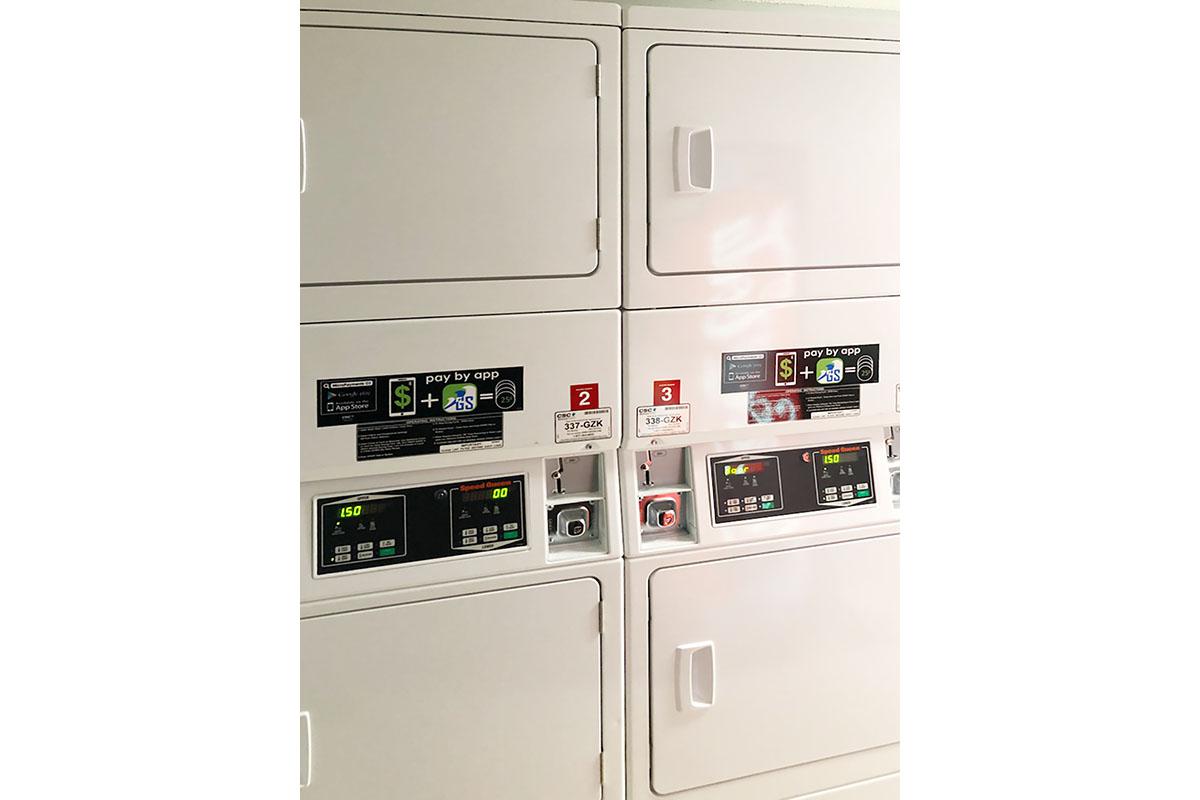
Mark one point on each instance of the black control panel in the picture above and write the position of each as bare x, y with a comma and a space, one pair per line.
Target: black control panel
401, 526
782, 482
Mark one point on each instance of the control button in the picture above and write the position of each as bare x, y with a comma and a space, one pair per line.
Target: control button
849, 487
366, 545
387, 551
830, 490
863, 486
864, 493
510, 526
767, 497
387, 542
491, 537
767, 506
733, 502
470, 531
469, 540
751, 507
512, 534
847, 495
749, 499
342, 548
365, 554
735, 510
490, 529
342, 558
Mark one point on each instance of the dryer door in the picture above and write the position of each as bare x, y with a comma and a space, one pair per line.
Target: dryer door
763, 158
772, 661
444, 156
492, 695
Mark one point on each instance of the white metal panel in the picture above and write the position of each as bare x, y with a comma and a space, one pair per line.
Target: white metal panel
458, 165
556, 350
435, 156
789, 216
805, 661
804, 147
531, 10
737, 16
491, 695
686, 344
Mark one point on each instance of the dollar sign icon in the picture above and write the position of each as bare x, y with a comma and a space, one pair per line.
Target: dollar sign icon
403, 396
785, 368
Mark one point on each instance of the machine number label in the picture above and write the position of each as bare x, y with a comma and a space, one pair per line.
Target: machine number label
664, 420
799, 368
583, 425
585, 395
666, 392
419, 395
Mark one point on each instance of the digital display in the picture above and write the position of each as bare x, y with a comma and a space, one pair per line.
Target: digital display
750, 468
499, 493
353, 510
841, 458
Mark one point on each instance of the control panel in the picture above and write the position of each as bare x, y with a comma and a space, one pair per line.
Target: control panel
778, 483
399, 526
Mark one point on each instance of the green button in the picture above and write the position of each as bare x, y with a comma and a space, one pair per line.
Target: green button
511, 534
864, 492
768, 505
388, 551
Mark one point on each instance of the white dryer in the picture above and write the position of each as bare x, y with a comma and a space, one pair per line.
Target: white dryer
458, 157
762, 567
761, 159
460, 570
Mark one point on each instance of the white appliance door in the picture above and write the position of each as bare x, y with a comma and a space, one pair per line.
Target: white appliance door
494, 695
771, 159
437, 156
772, 661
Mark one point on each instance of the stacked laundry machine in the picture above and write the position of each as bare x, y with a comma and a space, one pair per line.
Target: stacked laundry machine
761, 379
600, 402
460, 570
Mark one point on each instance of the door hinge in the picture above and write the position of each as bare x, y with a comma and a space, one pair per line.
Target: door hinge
597, 80
601, 767
597, 234
600, 616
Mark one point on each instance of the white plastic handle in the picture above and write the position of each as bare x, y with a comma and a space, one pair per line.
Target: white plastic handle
303, 158
695, 676
695, 159
305, 749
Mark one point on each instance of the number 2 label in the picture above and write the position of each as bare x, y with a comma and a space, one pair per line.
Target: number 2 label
585, 395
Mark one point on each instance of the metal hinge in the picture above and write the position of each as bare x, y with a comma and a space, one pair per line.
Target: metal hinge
597, 80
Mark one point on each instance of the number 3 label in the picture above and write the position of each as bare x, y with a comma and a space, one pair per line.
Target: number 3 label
666, 392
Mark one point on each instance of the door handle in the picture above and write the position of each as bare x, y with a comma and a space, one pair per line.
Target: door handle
305, 749
303, 157
695, 675
695, 159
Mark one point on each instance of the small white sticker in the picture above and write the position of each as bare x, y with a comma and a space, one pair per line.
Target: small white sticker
848, 412
583, 425
664, 420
